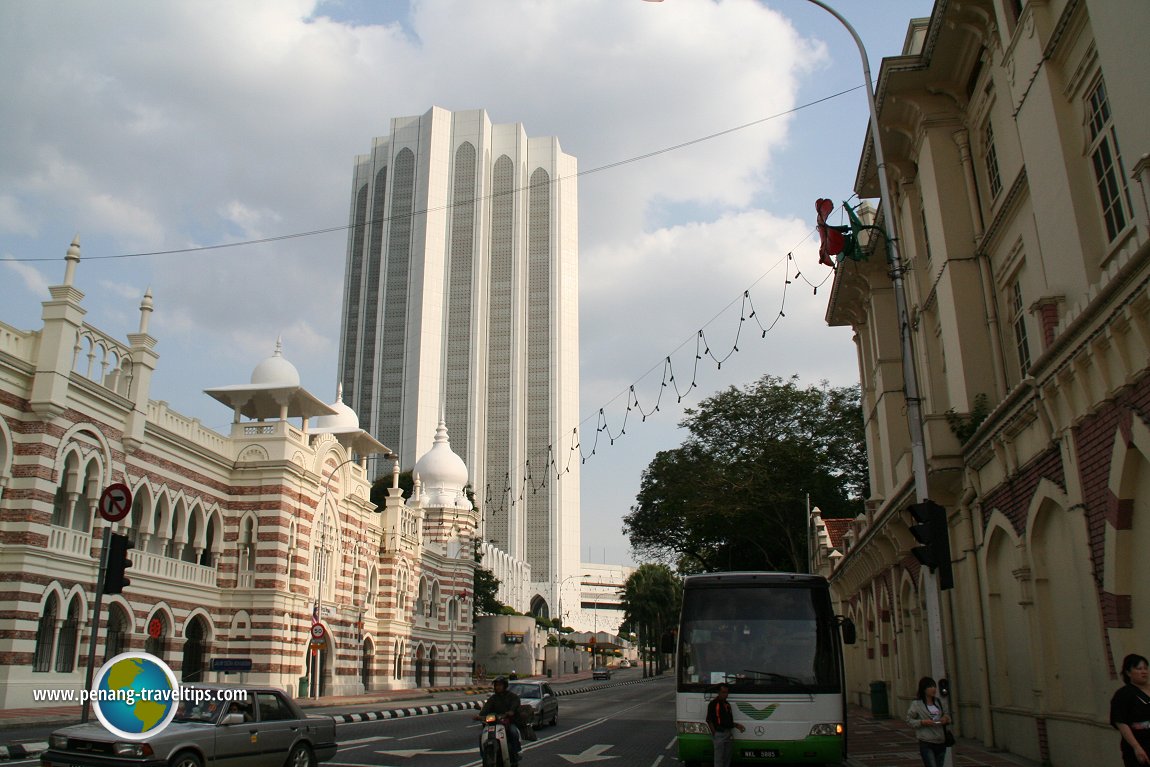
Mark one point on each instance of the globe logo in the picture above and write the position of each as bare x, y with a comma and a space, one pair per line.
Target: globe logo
135, 695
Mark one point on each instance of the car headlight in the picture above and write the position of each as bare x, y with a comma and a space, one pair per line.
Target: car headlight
58, 741
827, 728
692, 728
132, 749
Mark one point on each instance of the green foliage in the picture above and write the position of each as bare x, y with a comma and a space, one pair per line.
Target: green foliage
734, 495
485, 588
509, 610
651, 599
382, 483
964, 427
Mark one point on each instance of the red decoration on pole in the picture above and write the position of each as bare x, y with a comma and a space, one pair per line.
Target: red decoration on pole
831, 240
155, 628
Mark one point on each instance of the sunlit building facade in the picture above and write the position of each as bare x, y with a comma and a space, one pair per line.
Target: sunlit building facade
461, 304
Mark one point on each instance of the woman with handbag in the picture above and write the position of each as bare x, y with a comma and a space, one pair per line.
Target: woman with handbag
929, 720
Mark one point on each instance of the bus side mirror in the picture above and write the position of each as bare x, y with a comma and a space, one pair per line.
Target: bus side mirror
847, 626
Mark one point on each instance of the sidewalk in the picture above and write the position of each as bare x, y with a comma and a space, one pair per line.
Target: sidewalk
891, 743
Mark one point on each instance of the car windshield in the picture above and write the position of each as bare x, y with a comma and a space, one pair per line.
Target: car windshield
199, 709
526, 690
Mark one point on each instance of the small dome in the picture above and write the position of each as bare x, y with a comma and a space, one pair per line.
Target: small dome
275, 370
344, 419
440, 470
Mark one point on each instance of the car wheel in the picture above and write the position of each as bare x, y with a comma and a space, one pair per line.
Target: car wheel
301, 756
186, 759
555, 719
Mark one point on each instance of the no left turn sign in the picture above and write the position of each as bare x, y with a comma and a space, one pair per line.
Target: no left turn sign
115, 502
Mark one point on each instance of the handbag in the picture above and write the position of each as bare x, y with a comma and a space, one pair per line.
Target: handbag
947, 737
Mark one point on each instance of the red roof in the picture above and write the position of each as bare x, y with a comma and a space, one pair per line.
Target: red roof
836, 529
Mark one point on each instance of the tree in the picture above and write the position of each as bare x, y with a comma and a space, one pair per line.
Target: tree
651, 599
734, 495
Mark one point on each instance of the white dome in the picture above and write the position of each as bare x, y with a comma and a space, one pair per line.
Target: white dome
440, 470
344, 419
275, 370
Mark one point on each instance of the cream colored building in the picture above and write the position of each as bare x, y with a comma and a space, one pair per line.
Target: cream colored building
243, 540
1017, 137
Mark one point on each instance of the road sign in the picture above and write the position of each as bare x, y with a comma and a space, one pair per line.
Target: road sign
115, 502
231, 664
318, 644
317, 631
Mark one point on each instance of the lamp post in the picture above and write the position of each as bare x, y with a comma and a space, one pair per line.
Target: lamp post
910, 376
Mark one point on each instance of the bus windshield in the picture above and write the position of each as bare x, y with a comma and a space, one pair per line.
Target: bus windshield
758, 638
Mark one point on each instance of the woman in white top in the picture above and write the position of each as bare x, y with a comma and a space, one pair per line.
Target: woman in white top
929, 719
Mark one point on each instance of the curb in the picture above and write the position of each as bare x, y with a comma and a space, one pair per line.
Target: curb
22, 750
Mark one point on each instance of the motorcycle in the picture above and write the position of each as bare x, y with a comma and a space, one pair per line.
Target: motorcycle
494, 746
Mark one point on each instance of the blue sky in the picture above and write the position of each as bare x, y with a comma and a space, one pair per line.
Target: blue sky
146, 127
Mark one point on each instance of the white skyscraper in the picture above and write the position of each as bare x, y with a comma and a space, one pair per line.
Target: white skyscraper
461, 304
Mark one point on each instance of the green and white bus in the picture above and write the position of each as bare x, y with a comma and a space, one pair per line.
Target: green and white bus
775, 640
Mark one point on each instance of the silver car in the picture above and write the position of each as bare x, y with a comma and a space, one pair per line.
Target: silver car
264, 728
541, 698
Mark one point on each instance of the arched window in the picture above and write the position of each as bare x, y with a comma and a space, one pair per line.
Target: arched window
119, 627
372, 587
248, 546
69, 634
398, 671
46, 635
433, 603
157, 641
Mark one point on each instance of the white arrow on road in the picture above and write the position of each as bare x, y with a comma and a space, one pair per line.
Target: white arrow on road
591, 754
408, 753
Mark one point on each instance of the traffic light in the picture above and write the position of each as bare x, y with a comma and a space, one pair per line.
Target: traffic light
114, 580
932, 531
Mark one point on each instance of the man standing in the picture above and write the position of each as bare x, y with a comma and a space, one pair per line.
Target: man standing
722, 722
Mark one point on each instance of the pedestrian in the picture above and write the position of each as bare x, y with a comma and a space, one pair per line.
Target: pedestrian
1130, 710
929, 720
721, 721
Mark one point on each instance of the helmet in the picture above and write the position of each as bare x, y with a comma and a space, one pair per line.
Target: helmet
499, 680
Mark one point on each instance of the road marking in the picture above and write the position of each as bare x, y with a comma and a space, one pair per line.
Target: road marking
590, 754
658, 759
672, 743
408, 753
372, 739
424, 735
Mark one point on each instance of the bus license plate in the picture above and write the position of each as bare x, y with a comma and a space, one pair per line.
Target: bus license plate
761, 753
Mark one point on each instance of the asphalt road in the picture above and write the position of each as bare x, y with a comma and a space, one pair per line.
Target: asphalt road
624, 722
631, 725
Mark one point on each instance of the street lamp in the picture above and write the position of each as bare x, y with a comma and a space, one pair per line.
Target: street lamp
910, 376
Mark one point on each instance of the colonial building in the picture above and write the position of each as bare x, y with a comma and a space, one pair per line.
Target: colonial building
1017, 137
244, 542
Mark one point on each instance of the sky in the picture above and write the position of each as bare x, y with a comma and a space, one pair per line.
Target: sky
704, 131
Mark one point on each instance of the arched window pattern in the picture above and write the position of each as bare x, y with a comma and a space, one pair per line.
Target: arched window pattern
195, 649
433, 603
392, 360
248, 545
458, 330
367, 662
116, 636
323, 557
158, 630
211, 541
397, 672
401, 588
421, 599
500, 325
537, 506
69, 636
292, 533
372, 587
46, 635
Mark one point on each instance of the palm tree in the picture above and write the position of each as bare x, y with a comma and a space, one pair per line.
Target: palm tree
651, 600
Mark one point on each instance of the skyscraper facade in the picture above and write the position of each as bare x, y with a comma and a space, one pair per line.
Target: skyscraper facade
461, 304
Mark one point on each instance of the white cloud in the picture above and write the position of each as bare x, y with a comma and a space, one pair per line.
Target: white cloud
157, 126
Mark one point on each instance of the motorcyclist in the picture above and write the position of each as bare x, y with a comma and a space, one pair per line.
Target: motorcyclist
505, 705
